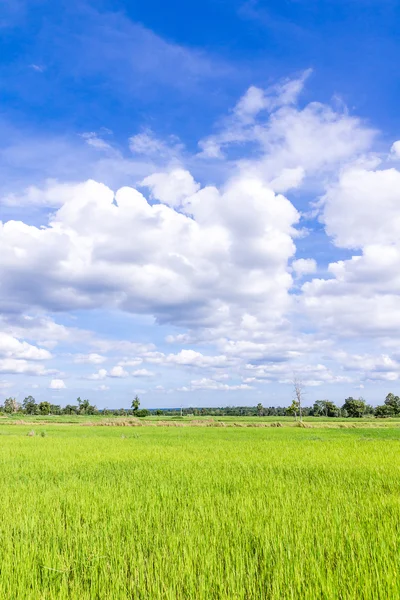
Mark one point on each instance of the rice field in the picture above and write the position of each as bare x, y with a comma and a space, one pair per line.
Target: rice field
199, 513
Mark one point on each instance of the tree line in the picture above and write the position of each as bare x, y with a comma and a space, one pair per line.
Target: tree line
29, 406
352, 408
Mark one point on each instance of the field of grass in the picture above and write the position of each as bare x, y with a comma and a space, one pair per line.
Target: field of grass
199, 513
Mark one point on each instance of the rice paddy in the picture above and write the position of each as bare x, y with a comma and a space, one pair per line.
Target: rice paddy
199, 512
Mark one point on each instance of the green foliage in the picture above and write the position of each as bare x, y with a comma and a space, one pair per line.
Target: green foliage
354, 408
260, 409
135, 403
44, 408
143, 412
85, 408
293, 409
384, 411
29, 406
393, 402
325, 408
11, 406
71, 410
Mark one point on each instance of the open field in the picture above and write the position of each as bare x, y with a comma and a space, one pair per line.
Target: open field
199, 513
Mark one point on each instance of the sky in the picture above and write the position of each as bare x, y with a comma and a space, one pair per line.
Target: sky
199, 201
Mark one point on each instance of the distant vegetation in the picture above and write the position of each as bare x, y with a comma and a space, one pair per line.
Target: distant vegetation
352, 408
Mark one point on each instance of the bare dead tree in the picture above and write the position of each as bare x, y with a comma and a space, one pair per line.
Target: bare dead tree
298, 388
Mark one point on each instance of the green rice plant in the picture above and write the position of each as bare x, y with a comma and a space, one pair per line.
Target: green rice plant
200, 513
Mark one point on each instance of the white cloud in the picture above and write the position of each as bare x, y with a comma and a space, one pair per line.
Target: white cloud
171, 188
23, 367
93, 358
101, 374
211, 384
146, 143
143, 373
363, 208
118, 371
92, 139
395, 151
291, 144
88, 258
361, 296
57, 384
11, 347
304, 266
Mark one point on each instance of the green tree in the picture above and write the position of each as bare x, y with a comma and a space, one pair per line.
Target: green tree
44, 408
70, 410
135, 404
325, 408
293, 409
29, 406
260, 409
11, 405
354, 408
394, 402
142, 413
85, 408
384, 411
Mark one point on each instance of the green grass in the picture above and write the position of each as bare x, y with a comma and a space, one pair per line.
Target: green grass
199, 513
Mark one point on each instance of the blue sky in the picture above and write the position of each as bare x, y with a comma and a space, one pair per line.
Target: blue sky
199, 201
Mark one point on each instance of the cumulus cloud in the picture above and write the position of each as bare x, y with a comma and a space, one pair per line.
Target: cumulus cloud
171, 188
92, 359
87, 257
57, 384
143, 373
288, 144
101, 374
361, 295
304, 266
118, 371
11, 347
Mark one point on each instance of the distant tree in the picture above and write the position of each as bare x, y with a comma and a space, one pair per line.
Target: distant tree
293, 409
354, 408
159, 412
325, 408
142, 413
83, 406
298, 388
11, 405
29, 406
384, 411
44, 408
135, 403
55, 409
260, 409
394, 402
71, 410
